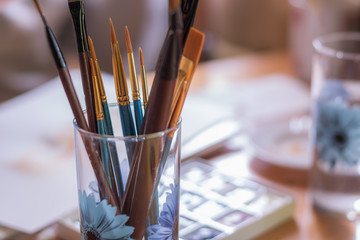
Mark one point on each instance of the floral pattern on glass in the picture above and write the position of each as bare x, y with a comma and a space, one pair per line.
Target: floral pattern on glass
167, 220
99, 220
338, 133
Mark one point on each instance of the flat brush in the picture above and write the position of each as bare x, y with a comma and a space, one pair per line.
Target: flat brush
189, 60
77, 11
144, 85
104, 187
134, 82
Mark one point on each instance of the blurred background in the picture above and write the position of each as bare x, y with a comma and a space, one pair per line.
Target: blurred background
232, 27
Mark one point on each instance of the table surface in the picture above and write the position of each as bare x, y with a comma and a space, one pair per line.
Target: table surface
306, 223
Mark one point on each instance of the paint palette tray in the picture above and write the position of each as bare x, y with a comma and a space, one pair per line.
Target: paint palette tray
214, 205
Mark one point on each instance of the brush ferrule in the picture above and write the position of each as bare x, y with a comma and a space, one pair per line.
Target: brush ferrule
98, 108
186, 65
144, 85
119, 73
133, 77
123, 100
100, 81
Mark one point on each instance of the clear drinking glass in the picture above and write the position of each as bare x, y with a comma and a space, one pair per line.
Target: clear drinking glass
106, 160
335, 135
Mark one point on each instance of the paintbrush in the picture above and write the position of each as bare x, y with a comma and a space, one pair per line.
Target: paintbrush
104, 148
143, 79
175, 16
64, 74
78, 16
147, 154
134, 82
175, 27
104, 103
121, 87
188, 8
107, 119
104, 187
189, 61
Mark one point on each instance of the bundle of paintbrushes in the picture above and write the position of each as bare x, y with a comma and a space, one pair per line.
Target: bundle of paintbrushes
144, 115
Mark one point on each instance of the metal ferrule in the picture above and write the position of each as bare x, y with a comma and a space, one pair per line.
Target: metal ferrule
98, 107
185, 68
144, 85
119, 75
133, 77
123, 101
100, 81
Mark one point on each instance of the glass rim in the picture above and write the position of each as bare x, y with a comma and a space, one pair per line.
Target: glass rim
137, 138
319, 44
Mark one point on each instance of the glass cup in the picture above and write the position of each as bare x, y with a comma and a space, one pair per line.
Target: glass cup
335, 134
117, 201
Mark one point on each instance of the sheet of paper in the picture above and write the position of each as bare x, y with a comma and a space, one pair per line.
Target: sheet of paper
260, 98
37, 161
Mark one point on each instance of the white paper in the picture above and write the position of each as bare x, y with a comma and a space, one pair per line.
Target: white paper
37, 161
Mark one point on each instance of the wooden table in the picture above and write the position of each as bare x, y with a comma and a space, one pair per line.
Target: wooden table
306, 223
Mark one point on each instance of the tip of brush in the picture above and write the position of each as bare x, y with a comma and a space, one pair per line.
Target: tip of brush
194, 44
70, 1
92, 49
141, 56
128, 41
112, 32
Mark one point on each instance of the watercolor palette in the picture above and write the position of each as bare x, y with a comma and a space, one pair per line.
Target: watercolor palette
214, 205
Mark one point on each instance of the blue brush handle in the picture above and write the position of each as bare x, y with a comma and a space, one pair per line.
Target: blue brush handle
138, 115
127, 121
114, 160
105, 158
108, 124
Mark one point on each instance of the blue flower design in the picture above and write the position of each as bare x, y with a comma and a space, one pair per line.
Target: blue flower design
338, 133
100, 222
168, 217
334, 90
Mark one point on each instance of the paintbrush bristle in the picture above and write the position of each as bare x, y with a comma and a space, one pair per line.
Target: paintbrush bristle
141, 56
112, 31
92, 49
74, 1
128, 41
193, 45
